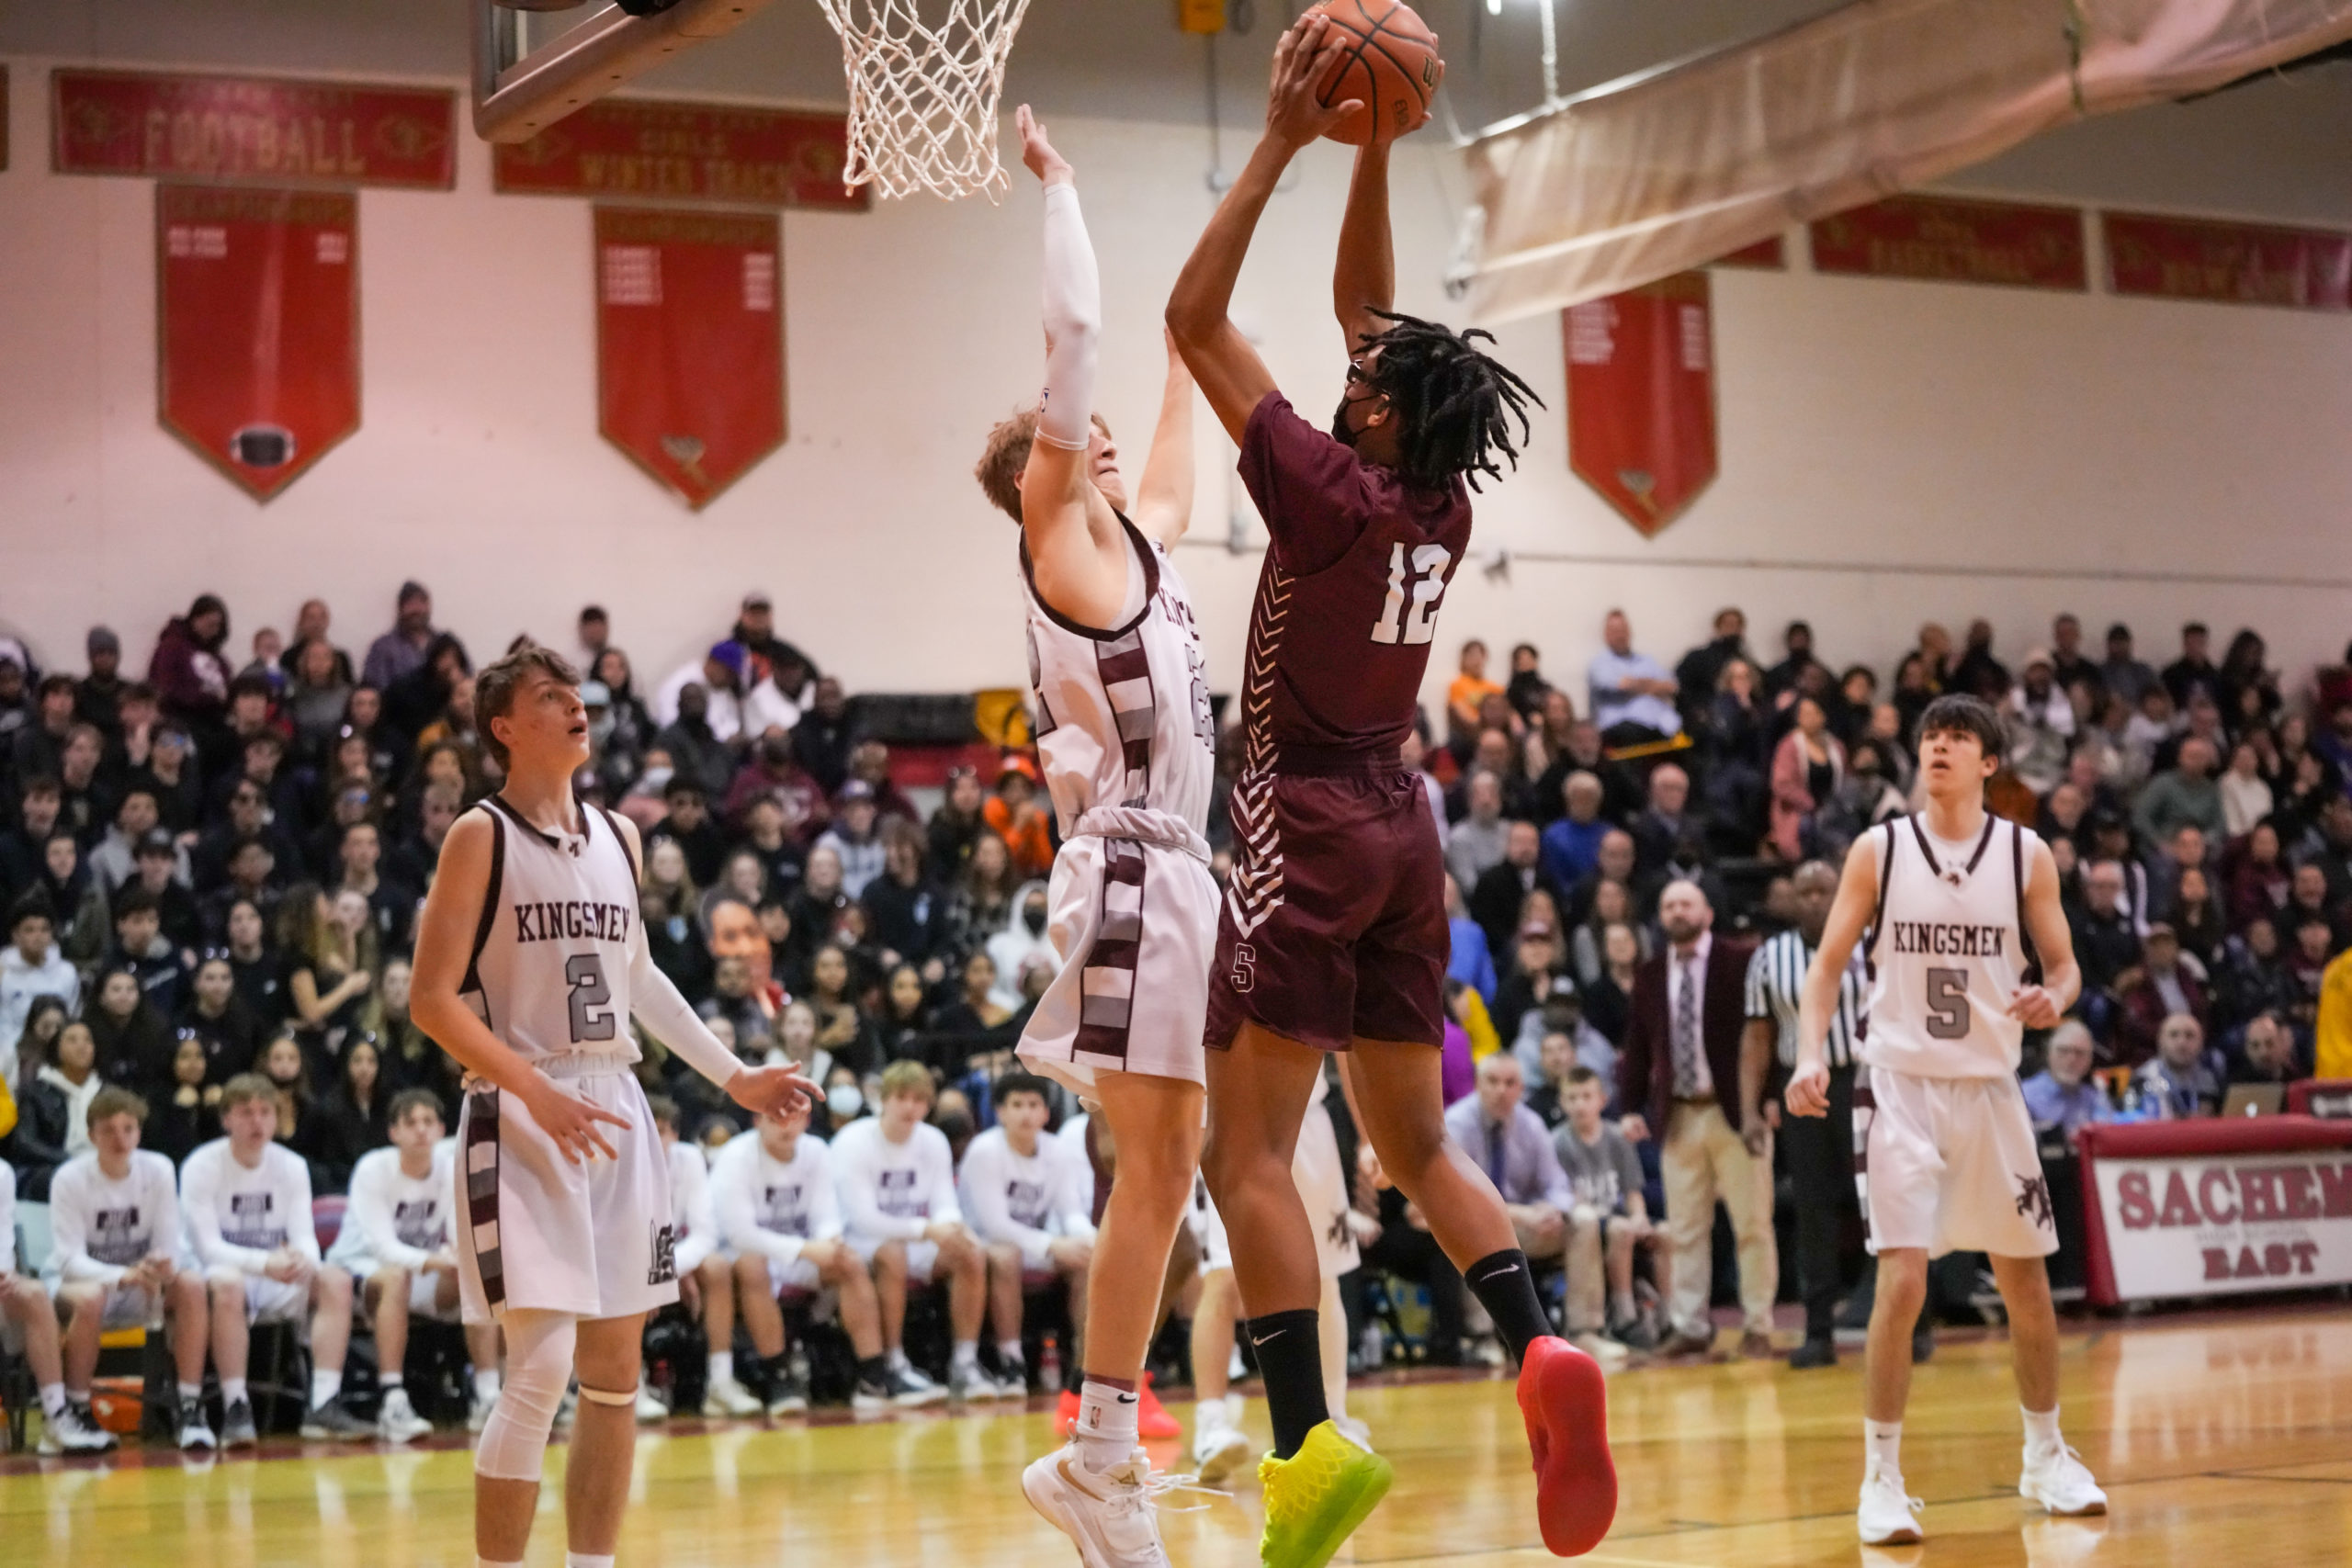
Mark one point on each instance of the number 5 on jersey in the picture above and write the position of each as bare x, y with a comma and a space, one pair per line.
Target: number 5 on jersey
1427, 579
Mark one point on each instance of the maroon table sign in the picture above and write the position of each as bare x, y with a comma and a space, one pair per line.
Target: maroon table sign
262, 130
2239, 263
641, 149
1642, 396
1766, 254
258, 321
1951, 239
690, 343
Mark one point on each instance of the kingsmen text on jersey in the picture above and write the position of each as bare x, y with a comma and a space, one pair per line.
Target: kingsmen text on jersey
550, 963
1947, 951
1123, 715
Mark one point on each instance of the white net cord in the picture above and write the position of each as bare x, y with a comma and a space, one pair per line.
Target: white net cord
923, 95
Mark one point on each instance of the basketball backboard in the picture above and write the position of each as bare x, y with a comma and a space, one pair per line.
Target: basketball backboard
521, 87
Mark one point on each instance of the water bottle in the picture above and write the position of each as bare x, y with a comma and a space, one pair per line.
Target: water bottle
1050, 1365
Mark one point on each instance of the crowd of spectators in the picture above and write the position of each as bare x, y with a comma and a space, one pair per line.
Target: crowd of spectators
217, 869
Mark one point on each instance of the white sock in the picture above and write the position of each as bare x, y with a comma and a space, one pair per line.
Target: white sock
52, 1400
191, 1393
582, 1560
1211, 1416
897, 1358
486, 1383
1882, 1440
2041, 1430
967, 1354
324, 1386
389, 1380
722, 1365
1008, 1353
1106, 1424
232, 1390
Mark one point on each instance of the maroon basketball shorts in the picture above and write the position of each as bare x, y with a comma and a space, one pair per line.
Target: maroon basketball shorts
1333, 926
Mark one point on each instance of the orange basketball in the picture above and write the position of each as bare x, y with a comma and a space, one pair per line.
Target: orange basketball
1390, 65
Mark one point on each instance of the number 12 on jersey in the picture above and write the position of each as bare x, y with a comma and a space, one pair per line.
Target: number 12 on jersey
1427, 578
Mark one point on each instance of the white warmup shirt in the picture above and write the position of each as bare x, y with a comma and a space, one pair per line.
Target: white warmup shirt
99, 1228
236, 1217
770, 1206
893, 1192
395, 1219
1947, 951
1026, 1200
690, 1212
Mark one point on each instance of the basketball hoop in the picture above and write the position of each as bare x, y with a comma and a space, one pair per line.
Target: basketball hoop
923, 95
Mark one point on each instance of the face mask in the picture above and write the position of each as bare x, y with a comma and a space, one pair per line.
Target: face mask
844, 1100
1340, 432
1035, 920
957, 1127
654, 779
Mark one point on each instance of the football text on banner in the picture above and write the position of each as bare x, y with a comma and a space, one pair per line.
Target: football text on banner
2226, 1224
252, 129
1949, 240
1642, 396
690, 343
2238, 263
258, 326
641, 149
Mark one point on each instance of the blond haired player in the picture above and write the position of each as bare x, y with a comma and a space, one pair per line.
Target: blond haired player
1967, 949
530, 963
1124, 733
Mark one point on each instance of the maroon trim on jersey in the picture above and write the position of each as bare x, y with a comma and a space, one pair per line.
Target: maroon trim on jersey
1106, 982
482, 1194
1116, 663
619, 837
489, 893
1865, 1113
1150, 587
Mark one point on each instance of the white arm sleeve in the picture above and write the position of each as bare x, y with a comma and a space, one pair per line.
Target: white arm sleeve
1073, 323
654, 1002
301, 1230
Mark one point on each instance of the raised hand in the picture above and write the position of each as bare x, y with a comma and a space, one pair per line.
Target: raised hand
1037, 153
1301, 60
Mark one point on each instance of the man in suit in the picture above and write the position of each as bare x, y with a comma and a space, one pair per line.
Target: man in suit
1680, 1077
1498, 896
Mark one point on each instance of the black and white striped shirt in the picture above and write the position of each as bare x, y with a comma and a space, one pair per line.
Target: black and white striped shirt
1776, 987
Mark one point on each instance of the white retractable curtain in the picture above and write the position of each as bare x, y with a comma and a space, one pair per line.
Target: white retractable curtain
1625, 186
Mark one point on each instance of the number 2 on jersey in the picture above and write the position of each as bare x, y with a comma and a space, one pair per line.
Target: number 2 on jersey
1428, 579
592, 1019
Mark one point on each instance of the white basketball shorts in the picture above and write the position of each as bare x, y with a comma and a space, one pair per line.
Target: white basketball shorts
1322, 1189
424, 1291
1950, 1165
1134, 924
797, 1277
922, 1256
539, 1232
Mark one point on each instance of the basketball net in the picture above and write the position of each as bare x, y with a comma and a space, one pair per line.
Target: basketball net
923, 95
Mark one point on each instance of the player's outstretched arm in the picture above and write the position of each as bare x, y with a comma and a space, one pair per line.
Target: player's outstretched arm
1232, 377
1364, 280
1856, 906
1076, 547
2040, 1007
1164, 500
445, 936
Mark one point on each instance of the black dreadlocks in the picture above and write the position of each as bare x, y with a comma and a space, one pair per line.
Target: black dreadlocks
1456, 403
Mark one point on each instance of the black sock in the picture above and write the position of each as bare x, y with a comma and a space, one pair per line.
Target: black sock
1290, 1357
873, 1370
1505, 1286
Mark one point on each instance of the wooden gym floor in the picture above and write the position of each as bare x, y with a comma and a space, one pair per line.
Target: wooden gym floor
2225, 1441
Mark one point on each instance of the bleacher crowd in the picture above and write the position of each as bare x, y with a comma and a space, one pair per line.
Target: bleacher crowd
211, 877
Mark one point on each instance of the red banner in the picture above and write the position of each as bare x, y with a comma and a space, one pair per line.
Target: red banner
259, 314
4, 118
690, 343
240, 128
1642, 396
2241, 264
1771, 255
708, 153
1952, 241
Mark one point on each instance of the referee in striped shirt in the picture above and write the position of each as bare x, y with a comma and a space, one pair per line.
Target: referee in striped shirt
1820, 1149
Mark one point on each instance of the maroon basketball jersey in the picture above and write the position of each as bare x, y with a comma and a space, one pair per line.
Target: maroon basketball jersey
1348, 597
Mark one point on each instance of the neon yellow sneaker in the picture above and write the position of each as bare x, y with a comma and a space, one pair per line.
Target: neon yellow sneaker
1316, 1498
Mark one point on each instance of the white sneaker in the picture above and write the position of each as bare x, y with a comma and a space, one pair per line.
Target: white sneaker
195, 1431
71, 1431
649, 1408
1608, 1352
1218, 1447
398, 1421
1888, 1517
725, 1396
1110, 1516
2061, 1482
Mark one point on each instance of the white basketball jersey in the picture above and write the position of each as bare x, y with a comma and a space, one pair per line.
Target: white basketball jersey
1123, 716
552, 955
1948, 949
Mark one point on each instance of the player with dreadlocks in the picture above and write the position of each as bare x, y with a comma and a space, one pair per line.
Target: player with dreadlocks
1332, 936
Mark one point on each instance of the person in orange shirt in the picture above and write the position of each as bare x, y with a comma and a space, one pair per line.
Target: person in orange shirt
2333, 1058
1020, 818
1468, 691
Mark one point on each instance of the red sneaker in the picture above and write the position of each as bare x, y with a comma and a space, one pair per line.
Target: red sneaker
1152, 1419
1066, 1413
1561, 1396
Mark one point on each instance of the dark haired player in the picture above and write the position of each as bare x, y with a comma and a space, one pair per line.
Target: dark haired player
1967, 949
1332, 936
530, 963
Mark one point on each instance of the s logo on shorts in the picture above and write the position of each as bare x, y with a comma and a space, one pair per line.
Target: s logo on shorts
1244, 975
665, 1256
